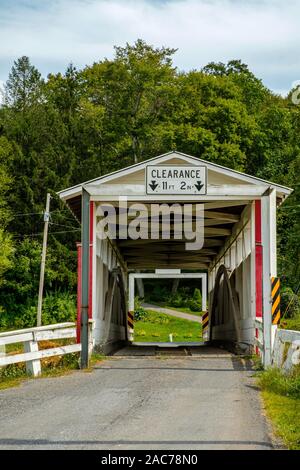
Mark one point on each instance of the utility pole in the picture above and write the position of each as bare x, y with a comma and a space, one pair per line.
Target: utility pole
43, 261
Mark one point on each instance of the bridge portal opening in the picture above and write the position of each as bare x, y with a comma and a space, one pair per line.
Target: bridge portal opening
235, 245
166, 308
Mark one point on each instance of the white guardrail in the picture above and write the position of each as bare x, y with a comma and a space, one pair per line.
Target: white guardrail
30, 338
258, 341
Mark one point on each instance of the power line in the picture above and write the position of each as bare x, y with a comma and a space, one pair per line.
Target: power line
61, 225
66, 231
24, 214
24, 235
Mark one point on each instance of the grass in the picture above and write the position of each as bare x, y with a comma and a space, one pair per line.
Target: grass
281, 395
157, 327
291, 323
56, 366
14, 374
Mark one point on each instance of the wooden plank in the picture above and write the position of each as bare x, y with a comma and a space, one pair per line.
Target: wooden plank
163, 259
167, 257
155, 265
222, 204
146, 222
139, 189
214, 222
221, 216
259, 344
145, 250
239, 190
37, 328
55, 334
31, 356
175, 198
207, 205
208, 232
136, 243
21, 338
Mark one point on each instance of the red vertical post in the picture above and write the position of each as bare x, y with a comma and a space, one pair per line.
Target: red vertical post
258, 264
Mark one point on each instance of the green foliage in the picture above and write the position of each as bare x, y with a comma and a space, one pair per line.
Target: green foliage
176, 300
23, 85
157, 327
139, 312
74, 126
13, 371
6, 242
291, 323
289, 303
58, 307
282, 384
195, 303
281, 394
186, 299
6, 252
22, 279
159, 293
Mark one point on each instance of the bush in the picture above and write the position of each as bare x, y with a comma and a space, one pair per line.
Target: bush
139, 312
159, 294
176, 300
195, 304
58, 307
283, 384
291, 300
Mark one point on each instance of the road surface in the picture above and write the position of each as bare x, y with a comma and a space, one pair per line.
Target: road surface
138, 403
174, 313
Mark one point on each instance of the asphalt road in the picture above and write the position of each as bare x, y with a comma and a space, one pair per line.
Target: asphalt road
138, 403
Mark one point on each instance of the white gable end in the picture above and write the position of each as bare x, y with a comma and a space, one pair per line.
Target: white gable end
130, 181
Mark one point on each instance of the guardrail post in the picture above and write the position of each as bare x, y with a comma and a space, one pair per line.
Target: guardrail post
32, 367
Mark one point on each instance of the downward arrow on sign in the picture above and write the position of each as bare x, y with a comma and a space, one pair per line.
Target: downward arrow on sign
153, 185
199, 185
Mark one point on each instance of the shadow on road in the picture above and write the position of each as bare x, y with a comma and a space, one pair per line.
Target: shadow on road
46, 442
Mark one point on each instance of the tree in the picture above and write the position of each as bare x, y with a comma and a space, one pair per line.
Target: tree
81, 124
6, 244
134, 89
23, 87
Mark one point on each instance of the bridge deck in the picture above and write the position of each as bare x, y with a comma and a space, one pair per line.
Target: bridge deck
171, 349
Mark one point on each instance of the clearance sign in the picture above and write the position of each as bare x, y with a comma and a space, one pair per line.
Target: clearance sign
176, 179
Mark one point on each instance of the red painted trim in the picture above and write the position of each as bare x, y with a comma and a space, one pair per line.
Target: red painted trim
258, 221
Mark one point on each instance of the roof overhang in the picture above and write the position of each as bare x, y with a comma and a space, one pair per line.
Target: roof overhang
223, 183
